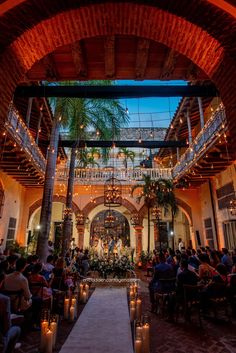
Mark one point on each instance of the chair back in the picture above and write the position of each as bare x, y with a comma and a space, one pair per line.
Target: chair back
15, 297
191, 293
167, 285
36, 289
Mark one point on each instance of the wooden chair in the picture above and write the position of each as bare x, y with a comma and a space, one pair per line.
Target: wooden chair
219, 299
162, 297
192, 302
16, 298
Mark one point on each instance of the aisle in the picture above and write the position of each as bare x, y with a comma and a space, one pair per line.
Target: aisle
103, 326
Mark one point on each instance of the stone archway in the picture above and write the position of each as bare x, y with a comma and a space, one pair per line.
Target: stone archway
56, 198
158, 24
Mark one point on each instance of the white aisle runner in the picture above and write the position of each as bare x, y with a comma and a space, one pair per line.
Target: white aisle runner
103, 326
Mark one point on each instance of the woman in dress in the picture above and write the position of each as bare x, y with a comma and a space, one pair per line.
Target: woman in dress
119, 246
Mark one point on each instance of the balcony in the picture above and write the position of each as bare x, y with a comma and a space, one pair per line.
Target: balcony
214, 127
126, 176
21, 135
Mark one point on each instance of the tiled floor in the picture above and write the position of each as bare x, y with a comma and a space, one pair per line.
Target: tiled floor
213, 337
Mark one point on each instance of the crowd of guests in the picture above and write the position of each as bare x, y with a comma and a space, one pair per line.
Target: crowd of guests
172, 270
27, 286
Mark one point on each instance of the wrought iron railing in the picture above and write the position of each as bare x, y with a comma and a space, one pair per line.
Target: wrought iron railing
19, 132
211, 131
100, 175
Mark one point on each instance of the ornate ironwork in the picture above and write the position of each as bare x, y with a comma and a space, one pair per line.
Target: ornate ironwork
156, 214
135, 219
67, 213
80, 219
110, 219
112, 193
232, 207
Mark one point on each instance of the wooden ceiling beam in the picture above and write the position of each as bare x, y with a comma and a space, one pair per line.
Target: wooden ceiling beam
51, 72
109, 53
142, 58
78, 55
169, 64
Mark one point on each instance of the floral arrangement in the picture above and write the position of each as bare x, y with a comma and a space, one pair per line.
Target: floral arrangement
105, 266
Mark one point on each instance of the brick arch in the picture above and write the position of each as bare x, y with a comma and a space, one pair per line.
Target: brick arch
56, 198
100, 200
182, 204
125, 19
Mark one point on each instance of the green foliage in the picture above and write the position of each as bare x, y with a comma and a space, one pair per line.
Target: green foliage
126, 154
15, 247
145, 257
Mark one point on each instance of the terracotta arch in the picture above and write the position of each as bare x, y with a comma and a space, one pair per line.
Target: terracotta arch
100, 200
56, 198
108, 18
185, 207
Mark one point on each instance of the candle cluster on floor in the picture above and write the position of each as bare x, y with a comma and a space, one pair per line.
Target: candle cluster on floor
141, 325
49, 325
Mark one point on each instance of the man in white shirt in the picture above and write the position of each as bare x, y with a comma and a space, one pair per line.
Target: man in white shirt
181, 244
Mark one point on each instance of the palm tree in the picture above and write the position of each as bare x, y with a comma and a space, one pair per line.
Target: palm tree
156, 192
106, 117
126, 154
60, 108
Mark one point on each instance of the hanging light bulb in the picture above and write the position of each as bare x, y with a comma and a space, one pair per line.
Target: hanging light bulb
127, 110
97, 132
181, 120
151, 134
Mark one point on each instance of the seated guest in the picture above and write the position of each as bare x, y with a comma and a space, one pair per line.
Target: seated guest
9, 335
61, 280
31, 261
205, 270
221, 274
48, 268
35, 278
12, 263
85, 262
162, 271
16, 282
227, 260
185, 277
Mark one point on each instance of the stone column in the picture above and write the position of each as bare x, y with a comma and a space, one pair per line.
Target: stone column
138, 235
80, 230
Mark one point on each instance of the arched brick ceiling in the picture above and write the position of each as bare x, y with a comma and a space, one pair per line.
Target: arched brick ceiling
215, 16
196, 29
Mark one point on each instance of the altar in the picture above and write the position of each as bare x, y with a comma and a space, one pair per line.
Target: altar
104, 324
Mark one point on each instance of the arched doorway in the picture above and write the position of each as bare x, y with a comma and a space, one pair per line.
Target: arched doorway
101, 228
55, 229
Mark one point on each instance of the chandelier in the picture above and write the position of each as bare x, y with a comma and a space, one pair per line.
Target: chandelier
109, 219
112, 193
80, 219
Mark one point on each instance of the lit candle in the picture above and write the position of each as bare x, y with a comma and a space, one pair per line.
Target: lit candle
53, 328
66, 308
146, 338
81, 288
48, 342
131, 294
138, 309
132, 314
138, 344
87, 290
72, 313
132, 304
44, 327
135, 288
139, 330
84, 297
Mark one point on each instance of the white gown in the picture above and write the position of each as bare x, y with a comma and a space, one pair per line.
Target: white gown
100, 248
119, 247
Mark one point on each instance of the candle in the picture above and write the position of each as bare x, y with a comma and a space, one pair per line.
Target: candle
146, 338
53, 328
84, 297
72, 313
66, 308
138, 309
48, 341
44, 327
132, 304
131, 294
81, 288
132, 314
138, 344
139, 330
87, 290
135, 288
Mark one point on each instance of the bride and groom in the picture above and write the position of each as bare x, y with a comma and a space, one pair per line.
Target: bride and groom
111, 246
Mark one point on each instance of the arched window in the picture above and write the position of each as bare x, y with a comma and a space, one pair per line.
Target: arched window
2, 198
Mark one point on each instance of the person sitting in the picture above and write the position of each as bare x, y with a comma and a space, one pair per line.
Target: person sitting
31, 261
206, 271
16, 282
61, 280
12, 263
48, 268
185, 277
85, 262
9, 335
162, 271
227, 260
44, 291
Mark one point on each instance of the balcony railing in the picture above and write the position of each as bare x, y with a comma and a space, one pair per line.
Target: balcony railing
22, 136
211, 131
100, 175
